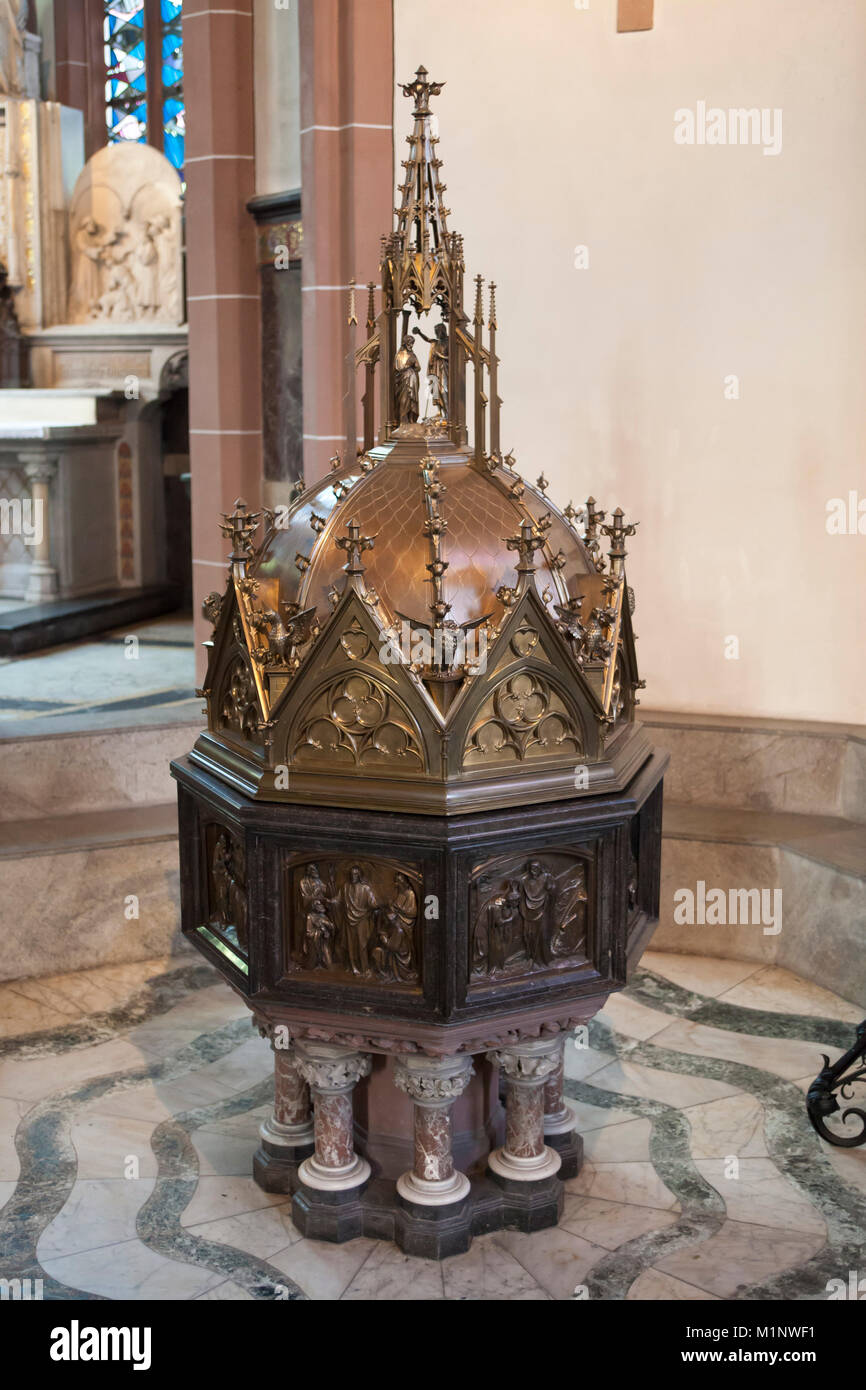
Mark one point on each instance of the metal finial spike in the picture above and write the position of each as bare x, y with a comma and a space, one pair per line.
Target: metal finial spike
491, 321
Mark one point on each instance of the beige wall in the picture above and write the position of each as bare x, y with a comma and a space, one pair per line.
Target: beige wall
703, 262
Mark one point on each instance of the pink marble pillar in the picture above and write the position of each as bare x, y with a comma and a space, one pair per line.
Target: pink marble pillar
559, 1118
290, 1126
332, 1074
433, 1084
527, 1068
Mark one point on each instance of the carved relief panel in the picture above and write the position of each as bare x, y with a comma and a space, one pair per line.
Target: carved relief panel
529, 912
356, 919
226, 896
523, 717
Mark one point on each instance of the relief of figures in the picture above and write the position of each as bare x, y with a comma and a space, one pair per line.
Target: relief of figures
359, 919
528, 913
228, 889
125, 238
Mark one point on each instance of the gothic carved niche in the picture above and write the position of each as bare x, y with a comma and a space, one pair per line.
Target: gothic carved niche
528, 912
355, 722
355, 919
522, 717
239, 705
227, 887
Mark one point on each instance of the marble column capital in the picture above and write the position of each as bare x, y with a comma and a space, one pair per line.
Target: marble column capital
38, 467
528, 1063
330, 1069
433, 1080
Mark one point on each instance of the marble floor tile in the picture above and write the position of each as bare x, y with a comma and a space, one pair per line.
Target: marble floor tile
261, 1233
131, 1270
7, 1187
227, 1154
590, 1117
557, 1259
227, 1292
611, 1224
323, 1270
98, 1212
706, 975
652, 1083
784, 1057
105, 1145
652, 1284
637, 1183
32, 1006
44, 1076
217, 1197
760, 1194
633, 1019
488, 1272
619, 1143
581, 1062
738, 1255
850, 1164
780, 991
387, 1275
10, 1114
733, 1125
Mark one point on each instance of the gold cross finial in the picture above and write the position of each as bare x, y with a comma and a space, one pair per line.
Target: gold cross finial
239, 526
422, 91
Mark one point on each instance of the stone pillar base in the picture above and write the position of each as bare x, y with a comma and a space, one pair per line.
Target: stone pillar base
509, 1166
569, 1146
424, 1193
529, 1206
326, 1179
275, 1165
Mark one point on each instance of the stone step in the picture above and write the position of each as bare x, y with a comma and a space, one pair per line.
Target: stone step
817, 863
63, 774
89, 889
784, 765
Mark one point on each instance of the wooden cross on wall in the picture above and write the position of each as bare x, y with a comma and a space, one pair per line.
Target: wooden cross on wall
632, 15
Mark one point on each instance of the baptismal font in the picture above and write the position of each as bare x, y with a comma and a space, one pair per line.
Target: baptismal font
421, 834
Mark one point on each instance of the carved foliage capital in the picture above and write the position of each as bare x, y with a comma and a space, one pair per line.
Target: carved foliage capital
530, 1064
333, 1073
433, 1081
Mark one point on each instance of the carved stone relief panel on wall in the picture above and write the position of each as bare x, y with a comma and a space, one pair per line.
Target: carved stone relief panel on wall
227, 887
125, 238
355, 918
528, 912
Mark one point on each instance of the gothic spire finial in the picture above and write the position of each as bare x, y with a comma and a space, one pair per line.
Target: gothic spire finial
422, 91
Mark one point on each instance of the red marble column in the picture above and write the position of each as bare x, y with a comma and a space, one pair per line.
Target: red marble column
559, 1117
332, 1074
291, 1125
433, 1084
527, 1068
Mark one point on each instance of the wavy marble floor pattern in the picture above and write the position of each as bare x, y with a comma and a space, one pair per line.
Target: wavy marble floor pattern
126, 1139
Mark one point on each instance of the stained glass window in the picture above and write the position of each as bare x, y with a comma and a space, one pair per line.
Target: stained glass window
126, 84
173, 125
144, 74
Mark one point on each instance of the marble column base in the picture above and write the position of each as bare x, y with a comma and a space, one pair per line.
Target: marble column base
350, 1175
380, 1212
507, 1165
426, 1193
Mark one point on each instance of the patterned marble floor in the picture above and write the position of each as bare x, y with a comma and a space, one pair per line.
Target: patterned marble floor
130, 1100
104, 681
